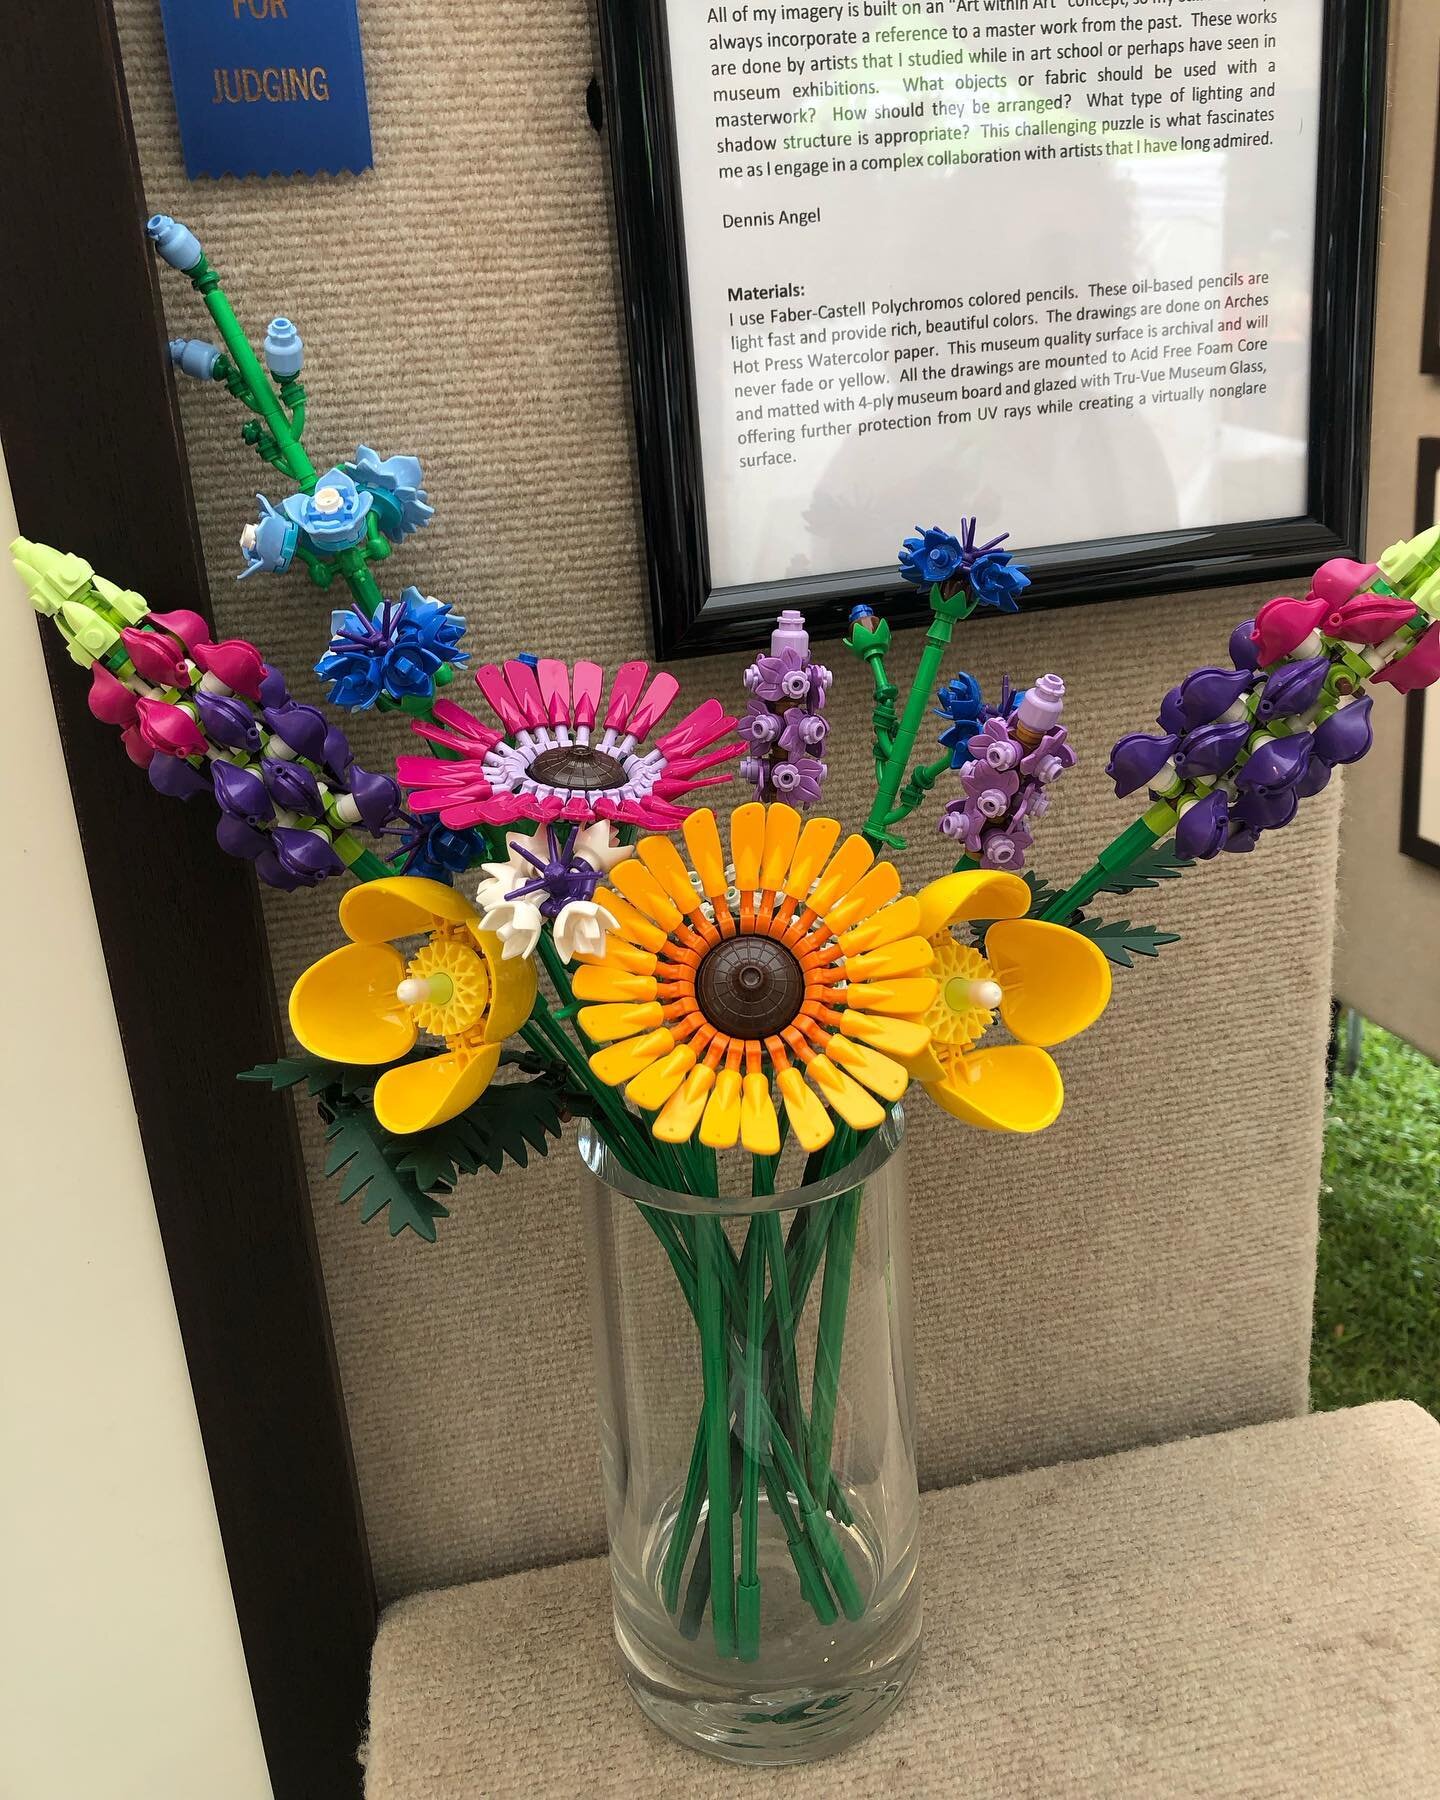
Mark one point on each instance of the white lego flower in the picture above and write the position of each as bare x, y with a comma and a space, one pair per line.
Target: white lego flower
581, 929
517, 924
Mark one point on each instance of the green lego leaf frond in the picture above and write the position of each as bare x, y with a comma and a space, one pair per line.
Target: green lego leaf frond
361, 1153
1119, 939
1158, 863
507, 1122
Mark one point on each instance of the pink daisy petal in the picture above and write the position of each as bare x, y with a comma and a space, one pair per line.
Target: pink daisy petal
586, 682
708, 721
624, 692
465, 723
555, 690
526, 690
543, 807
727, 753
491, 684
576, 808
672, 787
653, 707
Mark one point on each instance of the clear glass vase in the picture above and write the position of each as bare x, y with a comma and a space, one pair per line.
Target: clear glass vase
754, 1363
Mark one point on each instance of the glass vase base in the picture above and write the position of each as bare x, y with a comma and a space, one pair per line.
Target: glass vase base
813, 1689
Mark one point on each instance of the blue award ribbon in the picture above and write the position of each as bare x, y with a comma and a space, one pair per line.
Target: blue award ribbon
268, 87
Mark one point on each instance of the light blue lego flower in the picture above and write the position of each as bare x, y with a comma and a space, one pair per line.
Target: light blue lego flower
333, 517
401, 503
398, 652
269, 545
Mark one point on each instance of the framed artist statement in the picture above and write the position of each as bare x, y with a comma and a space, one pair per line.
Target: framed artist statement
1420, 782
1098, 268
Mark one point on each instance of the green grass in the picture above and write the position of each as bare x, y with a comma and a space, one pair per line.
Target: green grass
1377, 1291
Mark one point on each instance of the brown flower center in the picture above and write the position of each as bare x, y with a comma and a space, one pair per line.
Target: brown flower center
577, 766
749, 987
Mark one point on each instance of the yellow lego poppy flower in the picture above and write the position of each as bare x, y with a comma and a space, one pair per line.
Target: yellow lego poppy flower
1045, 982
368, 1002
817, 974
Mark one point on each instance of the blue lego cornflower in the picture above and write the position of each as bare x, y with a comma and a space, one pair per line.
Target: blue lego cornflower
997, 581
931, 557
394, 483
963, 704
397, 652
436, 851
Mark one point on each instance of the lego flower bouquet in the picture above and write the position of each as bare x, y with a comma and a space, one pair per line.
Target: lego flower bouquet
544, 920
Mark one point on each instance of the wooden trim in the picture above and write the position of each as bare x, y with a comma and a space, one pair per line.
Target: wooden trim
1423, 849
97, 465
691, 615
1430, 327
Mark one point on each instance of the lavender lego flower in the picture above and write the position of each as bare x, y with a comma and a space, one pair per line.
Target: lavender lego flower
397, 653
1015, 758
783, 722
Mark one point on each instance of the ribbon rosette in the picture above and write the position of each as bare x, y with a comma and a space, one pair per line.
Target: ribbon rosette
368, 1002
1046, 983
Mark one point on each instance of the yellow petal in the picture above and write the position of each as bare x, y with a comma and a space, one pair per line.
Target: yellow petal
702, 840
617, 954
858, 1109
624, 1061
654, 1086
636, 883
759, 1126
817, 840
720, 1126
878, 1073
876, 888
972, 894
1010, 1087
747, 844
888, 926
851, 861
398, 906
1055, 982
910, 996
631, 925
344, 1006
667, 865
903, 1039
908, 957
808, 1118
925, 1066
606, 1023
782, 832
513, 986
606, 983
681, 1112
421, 1094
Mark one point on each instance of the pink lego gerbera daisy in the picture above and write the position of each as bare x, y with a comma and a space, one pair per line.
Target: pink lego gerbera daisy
561, 755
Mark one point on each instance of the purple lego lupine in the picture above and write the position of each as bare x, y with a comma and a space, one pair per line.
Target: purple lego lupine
784, 723
1015, 759
1237, 753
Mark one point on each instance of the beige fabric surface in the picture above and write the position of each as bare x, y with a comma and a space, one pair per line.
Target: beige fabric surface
1255, 1614
1144, 1268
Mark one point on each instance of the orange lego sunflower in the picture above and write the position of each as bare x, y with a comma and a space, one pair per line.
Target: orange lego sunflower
816, 975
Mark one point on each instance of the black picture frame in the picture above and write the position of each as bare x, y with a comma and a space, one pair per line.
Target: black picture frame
1421, 713
690, 617
1430, 319
97, 464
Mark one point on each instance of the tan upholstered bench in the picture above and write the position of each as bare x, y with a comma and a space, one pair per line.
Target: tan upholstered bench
1256, 1613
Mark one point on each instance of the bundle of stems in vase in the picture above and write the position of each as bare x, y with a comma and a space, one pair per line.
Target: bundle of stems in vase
521, 905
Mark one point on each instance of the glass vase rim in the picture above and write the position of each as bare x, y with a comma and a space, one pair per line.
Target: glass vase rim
881, 1145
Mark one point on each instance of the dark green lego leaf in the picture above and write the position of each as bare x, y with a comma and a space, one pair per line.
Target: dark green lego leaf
1158, 863
320, 1077
1119, 939
507, 1122
362, 1148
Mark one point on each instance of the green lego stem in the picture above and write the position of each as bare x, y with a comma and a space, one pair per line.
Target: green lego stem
714, 1363
922, 779
1131, 844
830, 1340
265, 401
748, 1592
937, 641
882, 715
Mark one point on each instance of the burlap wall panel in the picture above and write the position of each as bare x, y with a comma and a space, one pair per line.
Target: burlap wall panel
1141, 1270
